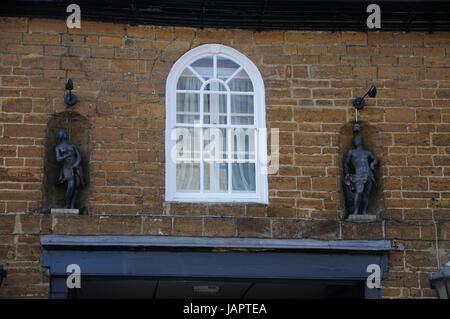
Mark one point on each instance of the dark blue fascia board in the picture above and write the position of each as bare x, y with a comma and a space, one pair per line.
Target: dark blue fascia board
269, 259
231, 265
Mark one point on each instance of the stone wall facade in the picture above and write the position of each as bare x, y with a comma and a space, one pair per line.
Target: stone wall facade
119, 72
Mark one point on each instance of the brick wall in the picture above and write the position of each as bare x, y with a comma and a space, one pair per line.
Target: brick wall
119, 72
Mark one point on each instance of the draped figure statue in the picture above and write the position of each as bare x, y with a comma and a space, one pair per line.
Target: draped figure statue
71, 171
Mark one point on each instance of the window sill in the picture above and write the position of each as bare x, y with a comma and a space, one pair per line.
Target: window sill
216, 199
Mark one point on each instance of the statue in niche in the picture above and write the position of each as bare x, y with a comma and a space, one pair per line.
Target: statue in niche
71, 172
359, 181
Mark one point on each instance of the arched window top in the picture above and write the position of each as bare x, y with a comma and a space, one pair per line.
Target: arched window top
215, 70
215, 61
214, 111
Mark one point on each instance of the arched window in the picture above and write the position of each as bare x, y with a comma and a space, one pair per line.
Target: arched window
215, 128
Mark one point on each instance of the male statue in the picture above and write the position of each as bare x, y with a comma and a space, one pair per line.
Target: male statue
359, 168
71, 171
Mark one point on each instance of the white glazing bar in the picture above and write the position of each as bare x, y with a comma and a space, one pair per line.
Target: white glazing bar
215, 67
196, 74
228, 109
201, 143
234, 74
242, 126
257, 168
206, 160
240, 114
228, 132
216, 92
187, 113
241, 93
229, 136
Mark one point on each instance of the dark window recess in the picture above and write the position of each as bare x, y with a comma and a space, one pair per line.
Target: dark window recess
186, 288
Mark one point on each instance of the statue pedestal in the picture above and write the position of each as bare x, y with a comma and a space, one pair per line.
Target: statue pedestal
71, 211
361, 218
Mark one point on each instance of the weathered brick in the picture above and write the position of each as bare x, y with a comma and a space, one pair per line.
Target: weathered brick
321, 229
15, 81
7, 224
441, 139
16, 130
268, 37
358, 230
284, 183
330, 72
287, 228
324, 183
400, 115
187, 226
20, 105
320, 115
415, 183
47, 26
120, 225
253, 227
160, 226
220, 227
110, 41
40, 62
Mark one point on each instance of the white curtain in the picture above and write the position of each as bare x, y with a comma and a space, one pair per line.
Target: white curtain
188, 102
188, 172
241, 83
243, 174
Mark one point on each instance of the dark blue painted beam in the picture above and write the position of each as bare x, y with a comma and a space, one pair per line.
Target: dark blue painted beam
320, 259
215, 264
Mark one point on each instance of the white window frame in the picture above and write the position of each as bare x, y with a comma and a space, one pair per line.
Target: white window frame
261, 183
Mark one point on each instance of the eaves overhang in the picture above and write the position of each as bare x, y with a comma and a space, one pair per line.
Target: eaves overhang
259, 15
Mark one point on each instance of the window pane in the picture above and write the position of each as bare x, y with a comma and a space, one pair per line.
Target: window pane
225, 68
215, 108
243, 178
188, 107
188, 177
241, 83
214, 144
188, 81
188, 102
242, 104
242, 120
204, 67
188, 119
215, 177
243, 144
242, 109
187, 143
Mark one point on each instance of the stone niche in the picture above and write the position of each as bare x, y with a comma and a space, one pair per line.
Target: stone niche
373, 140
78, 128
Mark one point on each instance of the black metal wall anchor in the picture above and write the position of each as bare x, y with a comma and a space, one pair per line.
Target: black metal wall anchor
359, 103
69, 98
